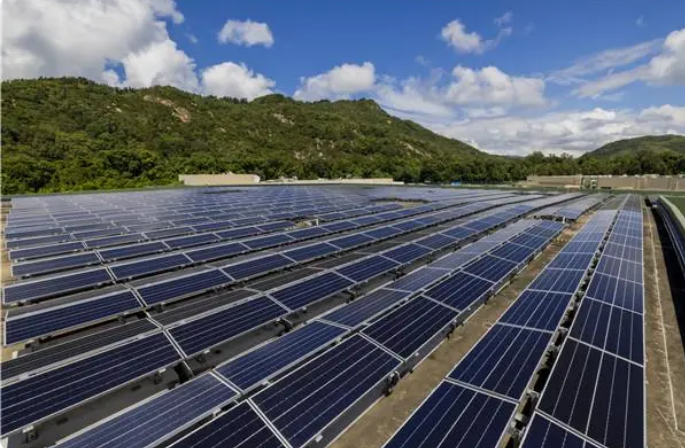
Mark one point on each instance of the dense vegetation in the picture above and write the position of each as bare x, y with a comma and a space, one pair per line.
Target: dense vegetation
654, 143
73, 134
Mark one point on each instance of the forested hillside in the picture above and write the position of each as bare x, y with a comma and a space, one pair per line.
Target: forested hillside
73, 134
654, 143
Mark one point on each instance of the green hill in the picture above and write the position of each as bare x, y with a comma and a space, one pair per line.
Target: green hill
656, 143
72, 134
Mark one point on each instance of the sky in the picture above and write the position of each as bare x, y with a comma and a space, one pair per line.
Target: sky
509, 77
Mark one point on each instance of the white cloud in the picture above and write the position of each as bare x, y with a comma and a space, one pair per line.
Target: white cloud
666, 68
505, 18
247, 33
236, 81
78, 37
160, 63
413, 97
454, 33
640, 21
339, 82
603, 61
573, 132
492, 86
456, 36
192, 38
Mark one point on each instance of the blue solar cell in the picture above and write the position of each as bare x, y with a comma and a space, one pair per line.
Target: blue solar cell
240, 427
216, 225
182, 286
305, 293
367, 220
301, 404
53, 286
513, 252
409, 327
610, 328
366, 307
459, 232
571, 260
268, 241
538, 309
407, 253
460, 291
273, 226
166, 233
114, 240
531, 241
266, 361
256, 266
455, 417
52, 320
99, 233
350, 241
367, 268
158, 419
340, 226
542, 433
383, 232
589, 247
309, 232
37, 241
241, 232
216, 252
418, 279
192, 240
597, 394
137, 250
49, 265
437, 241
455, 260
409, 225
208, 331
558, 280
45, 251
310, 252
35, 398
147, 266
490, 268
623, 293
503, 361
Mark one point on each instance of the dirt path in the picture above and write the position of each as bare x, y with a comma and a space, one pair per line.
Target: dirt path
380, 422
664, 350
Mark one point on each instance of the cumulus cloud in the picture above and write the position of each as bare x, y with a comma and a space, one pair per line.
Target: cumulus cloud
340, 82
102, 36
235, 80
492, 86
505, 18
247, 33
456, 36
573, 132
666, 68
413, 97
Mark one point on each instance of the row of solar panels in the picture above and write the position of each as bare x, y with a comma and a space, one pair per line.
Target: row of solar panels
596, 389
674, 228
270, 359
209, 329
22, 326
87, 253
53, 286
100, 234
575, 209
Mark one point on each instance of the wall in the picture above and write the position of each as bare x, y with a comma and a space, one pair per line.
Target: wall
218, 179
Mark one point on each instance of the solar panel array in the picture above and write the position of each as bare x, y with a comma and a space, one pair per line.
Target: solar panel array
674, 229
474, 405
574, 209
187, 315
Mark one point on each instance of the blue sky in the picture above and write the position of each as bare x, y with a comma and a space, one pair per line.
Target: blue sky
509, 77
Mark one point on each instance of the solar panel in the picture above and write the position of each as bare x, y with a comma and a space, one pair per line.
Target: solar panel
340, 226
266, 361
313, 290
114, 240
240, 427
409, 327
310, 252
37, 241
538, 309
256, 266
407, 253
216, 252
460, 291
490, 268
418, 279
182, 286
503, 361
157, 419
350, 241
45, 251
136, 250
218, 327
306, 401
367, 268
436, 241
383, 232
571, 261
366, 308
47, 287
454, 260
268, 241
50, 320
33, 399
558, 280
306, 233
607, 394
454, 417
50, 265
192, 240
148, 266
513, 252
543, 433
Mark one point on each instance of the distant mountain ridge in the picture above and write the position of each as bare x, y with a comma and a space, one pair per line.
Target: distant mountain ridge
656, 143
